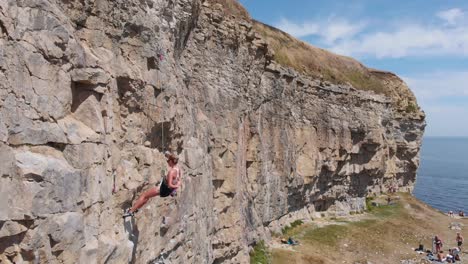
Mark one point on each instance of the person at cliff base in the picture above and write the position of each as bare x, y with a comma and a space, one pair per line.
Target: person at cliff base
459, 240
456, 253
438, 244
440, 256
170, 183
450, 258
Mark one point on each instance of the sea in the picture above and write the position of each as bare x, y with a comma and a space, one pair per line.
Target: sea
442, 179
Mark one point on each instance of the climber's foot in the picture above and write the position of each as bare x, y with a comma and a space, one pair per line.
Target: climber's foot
128, 213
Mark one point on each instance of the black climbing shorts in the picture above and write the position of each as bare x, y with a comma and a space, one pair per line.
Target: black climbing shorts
460, 243
164, 191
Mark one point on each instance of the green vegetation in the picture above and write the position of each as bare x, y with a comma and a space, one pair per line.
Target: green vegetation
369, 205
383, 211
386, 211
328, 235
282, 58
288, 228
319, 63
411, 108
385, 234
331, 234
316, 62
365, 81
260, 254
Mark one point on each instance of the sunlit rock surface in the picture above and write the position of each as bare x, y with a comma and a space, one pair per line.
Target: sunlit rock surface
92, 92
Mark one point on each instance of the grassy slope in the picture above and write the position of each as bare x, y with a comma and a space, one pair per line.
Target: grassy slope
386, 235
319, 63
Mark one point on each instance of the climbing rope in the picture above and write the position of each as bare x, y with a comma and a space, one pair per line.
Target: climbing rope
114, 189
160, 56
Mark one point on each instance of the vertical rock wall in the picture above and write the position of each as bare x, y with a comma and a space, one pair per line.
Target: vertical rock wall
92, 92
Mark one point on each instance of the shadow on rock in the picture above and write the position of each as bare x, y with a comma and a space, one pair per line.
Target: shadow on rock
133, 233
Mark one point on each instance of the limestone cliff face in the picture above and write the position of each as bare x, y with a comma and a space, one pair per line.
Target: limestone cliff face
91, 92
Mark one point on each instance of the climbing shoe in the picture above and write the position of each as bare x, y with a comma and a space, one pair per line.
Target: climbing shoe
128, 213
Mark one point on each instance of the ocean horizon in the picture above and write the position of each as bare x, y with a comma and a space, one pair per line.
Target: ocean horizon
442, 178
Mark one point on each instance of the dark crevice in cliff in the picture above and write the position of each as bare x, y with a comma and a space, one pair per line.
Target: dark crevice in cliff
405, 153
162, 135
184, 29
322, 205
8, 241
52, 241
81, 92
363, 157
297, 198
132, 30
223, 259
358, 136
4, 30
152, 63
359, 183
217, 183
27, 255
58, 146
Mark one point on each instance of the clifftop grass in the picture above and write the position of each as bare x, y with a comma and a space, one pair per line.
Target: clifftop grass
321, 64
317, 62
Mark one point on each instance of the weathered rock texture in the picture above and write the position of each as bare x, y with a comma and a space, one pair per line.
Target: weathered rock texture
91, 92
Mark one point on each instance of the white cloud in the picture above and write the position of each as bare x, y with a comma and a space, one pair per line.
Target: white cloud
451, 16
408, 40
444, 98
339, 30
361, 40
298, 30
439, 84
330, 32
443, 95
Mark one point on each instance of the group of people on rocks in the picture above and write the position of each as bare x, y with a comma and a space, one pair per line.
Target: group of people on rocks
460, 213
453, 254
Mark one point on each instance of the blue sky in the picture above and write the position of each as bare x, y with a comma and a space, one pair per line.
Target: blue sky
423, 41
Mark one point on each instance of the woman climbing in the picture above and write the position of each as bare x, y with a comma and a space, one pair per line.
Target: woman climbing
170, 183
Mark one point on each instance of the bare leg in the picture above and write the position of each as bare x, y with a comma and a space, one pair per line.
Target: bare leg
152, 192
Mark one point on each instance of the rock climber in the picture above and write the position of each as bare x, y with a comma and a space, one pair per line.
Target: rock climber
170, 183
